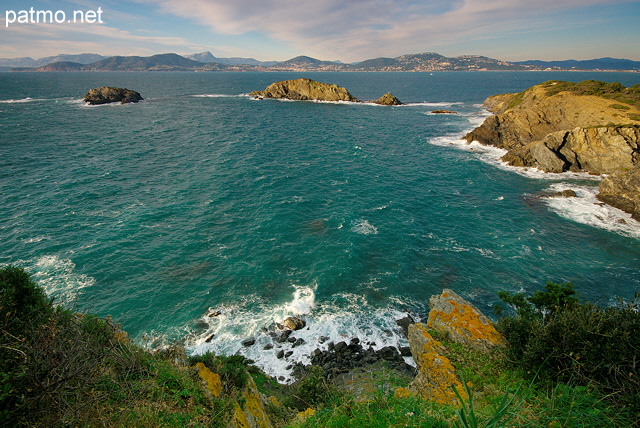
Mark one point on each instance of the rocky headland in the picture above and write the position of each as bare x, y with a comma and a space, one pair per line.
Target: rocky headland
109, 94
559, 126
310, 90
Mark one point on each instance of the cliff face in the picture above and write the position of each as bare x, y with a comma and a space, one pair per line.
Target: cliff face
533, 114
604, 150
560, 126
305, 89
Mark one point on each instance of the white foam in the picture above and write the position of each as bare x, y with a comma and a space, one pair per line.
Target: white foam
344, 317
432, 104
20, 101
363, 227
218, 96
57, 276
35, 239
587, 209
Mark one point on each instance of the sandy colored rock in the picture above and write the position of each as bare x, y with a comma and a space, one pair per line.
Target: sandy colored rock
602, 150
305, 89
462, 322
436, 375
293, 323
531, 115
622, 190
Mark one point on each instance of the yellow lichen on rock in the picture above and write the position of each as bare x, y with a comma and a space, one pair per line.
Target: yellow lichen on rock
252, 414
304, 415
402, 393
214, 385
462, 322
436, 375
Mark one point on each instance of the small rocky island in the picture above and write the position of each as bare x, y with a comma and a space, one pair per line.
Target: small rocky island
109, 94
311, 90
560, 126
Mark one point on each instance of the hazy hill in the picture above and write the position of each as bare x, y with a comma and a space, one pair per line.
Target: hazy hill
168, 61
592, 64
208, 57
206, 61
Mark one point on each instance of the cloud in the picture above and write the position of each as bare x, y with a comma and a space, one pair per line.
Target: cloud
359, 29
43, 39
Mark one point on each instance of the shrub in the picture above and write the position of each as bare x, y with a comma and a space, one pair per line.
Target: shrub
563, 340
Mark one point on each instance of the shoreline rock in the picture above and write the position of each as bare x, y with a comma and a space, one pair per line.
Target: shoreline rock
387, 100
561, 126
109, 94
304, 89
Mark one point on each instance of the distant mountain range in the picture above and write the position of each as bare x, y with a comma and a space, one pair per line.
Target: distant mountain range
205, 61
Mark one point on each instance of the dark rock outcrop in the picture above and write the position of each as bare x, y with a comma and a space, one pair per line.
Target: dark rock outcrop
342, 357
303, 90
443, 112
388, 100
108, 94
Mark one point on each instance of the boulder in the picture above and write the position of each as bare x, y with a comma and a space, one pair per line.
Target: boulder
452, 315
305, 89
108, 94
622, 190
387, 100
436, 375
443, 112
293, 323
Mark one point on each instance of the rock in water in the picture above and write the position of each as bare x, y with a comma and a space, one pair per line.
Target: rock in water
293, 323
462, 322
108, 94
388, 100
305, 89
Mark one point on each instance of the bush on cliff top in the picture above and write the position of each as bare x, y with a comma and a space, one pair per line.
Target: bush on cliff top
561, 339
61, 368
613, 90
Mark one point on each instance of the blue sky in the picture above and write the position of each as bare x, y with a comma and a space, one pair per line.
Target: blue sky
346, 30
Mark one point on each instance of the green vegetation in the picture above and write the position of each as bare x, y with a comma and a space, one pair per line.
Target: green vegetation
62, 368
567, 364
582, 344
614, 90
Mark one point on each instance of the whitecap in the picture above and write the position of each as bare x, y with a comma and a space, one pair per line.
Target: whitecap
20, 101
57, 276
363, 227
587, 209
217, 96
345, 317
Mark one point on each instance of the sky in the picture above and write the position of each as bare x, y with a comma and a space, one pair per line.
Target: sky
345, 30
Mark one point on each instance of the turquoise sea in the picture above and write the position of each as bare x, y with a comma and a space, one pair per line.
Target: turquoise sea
201, 199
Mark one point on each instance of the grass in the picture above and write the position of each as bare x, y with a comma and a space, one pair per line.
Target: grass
614, 90
62, 368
